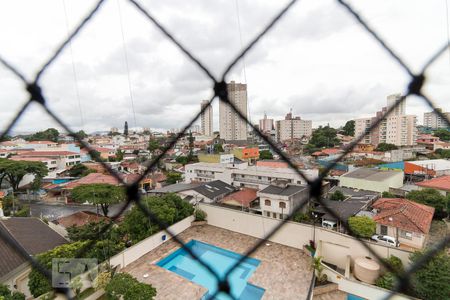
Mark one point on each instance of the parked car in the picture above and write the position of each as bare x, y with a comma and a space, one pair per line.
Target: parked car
329, 224
385, 239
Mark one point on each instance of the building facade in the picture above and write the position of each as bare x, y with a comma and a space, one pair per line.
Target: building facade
433, 120
206, 119
265, 124
232, 127
293, 128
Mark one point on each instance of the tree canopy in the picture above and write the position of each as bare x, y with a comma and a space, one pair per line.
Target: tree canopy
126, 287
173, 177
50, 134
442, 134
14, 171
80, 170
349, 128
153, 145
169, 208
337, 196
383, 147
102, 194
265, 154
431, 281
432, 198
324, 137
362, 226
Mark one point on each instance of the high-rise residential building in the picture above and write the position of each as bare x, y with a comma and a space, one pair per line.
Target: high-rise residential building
232, 127
434, 121
206, 119
397, 128
265, 124
400, 109
293, 128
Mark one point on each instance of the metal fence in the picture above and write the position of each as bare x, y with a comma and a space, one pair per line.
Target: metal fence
416, 82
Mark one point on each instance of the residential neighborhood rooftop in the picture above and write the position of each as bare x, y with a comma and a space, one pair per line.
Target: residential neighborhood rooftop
243, 197
214, 189
439, 183
370, 174
287, 190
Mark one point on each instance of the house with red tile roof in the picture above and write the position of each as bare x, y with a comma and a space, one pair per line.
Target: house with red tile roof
78, 219
242, 198
407, 221
91, 179
327, 152
442, 184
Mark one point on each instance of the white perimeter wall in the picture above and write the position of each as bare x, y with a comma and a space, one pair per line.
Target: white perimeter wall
334, 246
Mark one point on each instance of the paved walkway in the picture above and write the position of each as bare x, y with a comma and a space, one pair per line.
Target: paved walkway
284, 272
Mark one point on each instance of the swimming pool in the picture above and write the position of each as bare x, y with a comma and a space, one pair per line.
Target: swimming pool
220, 260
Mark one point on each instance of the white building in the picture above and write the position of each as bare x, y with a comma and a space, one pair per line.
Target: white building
206, 119
265, 124
232, 127
433, 120
362, 125
293, 128
243, 175
372, 180
280, 199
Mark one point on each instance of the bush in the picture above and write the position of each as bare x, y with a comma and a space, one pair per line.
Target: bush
200, 215
362, 226
6, 294
301, 217
388, 279
388, 195
126, 287
337, 196
102, 280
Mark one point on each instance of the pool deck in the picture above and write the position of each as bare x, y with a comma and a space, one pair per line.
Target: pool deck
284, 272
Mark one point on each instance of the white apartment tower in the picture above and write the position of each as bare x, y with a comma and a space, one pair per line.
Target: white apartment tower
206, 119
232, 127
434, 121
293, 128
397, 128
265, 125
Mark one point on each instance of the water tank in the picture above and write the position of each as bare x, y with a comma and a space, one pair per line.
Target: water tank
366, 269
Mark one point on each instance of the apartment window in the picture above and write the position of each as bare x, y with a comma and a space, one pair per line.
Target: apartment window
267, 213
282, 205
383, 230
267, 202
274, 215
405, 234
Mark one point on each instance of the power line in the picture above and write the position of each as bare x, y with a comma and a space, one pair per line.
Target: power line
126, 63
75, 78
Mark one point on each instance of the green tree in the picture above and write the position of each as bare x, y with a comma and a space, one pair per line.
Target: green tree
38, 283
337, 196
6, 294
169, 209
79, 170
442, 153
50, 134
265, 154
153, 145
217, 148
388, 195
383, 147
388, 279
182, 160
173, 177
126, 287
431, 281
102, 194
79, 135
432, 198
324, 137
119, 155
442, 134
200, 215
14, 171
349, 128
362, 226
301, 217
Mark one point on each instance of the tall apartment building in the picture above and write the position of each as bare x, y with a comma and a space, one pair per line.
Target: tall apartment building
206, 119
397, 128
265, 124
232, 127
433, 120
292, 128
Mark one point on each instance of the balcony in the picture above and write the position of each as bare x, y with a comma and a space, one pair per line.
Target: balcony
205, 175
249, 180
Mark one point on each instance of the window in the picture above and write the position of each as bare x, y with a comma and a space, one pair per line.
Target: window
405, 234
282, 205
267, 214
274, 215
267, 202
383, 230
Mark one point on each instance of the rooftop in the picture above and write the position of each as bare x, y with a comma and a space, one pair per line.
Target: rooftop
241, 198
288, 190
79, 218
344, 209
214, 189
435, 164
48, 153
439, 183
371, 174
92, 178
404, 214
31, 234
175, 188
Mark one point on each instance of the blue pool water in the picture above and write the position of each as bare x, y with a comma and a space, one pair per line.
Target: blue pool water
220, 260
58, 181
353, 297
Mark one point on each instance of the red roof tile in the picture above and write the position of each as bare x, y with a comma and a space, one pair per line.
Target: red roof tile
244, 197
48, 153
404, 214
439, 183
79, 219
91, 179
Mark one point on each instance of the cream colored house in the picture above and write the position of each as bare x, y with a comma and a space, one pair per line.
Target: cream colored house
372, 179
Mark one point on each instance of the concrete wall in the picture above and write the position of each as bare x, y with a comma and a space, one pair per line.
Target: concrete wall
334, 246
131, 254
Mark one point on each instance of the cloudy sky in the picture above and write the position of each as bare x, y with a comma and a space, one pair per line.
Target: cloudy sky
317, 60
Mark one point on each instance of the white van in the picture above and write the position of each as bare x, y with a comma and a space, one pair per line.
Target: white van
329, 224
385, 239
